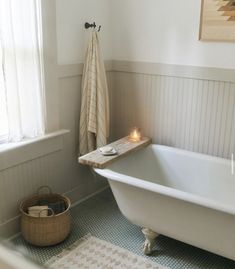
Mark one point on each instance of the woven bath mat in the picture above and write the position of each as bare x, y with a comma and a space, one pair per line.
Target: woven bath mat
93, 253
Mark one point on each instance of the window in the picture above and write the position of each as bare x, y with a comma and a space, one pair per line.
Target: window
3, 110
21, 70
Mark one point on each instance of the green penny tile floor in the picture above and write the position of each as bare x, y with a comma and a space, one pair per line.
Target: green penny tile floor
101, 217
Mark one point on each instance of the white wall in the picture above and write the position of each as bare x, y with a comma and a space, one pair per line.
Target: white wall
189, 113
59, 169
149, 31
71, 35
136, 30
165, 32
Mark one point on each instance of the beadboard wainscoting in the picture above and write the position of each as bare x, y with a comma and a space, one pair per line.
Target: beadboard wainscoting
186, 107
181, 106
59, 169
191, 108
22, 180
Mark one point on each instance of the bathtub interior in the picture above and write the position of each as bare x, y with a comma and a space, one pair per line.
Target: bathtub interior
198, 174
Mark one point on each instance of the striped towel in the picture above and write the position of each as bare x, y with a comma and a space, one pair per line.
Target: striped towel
94, 117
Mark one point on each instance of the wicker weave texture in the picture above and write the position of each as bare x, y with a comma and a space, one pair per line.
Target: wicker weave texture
45, 231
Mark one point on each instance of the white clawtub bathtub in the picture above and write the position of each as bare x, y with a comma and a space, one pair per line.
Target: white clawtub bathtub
180, 194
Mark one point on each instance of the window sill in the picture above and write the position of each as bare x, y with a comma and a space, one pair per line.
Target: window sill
12, 154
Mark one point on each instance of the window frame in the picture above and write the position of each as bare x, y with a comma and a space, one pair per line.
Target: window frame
12, 154
49, 36
3, 138
49, 43
3, 135
49, 33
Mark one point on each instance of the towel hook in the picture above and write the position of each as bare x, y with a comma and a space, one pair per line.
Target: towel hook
92, 25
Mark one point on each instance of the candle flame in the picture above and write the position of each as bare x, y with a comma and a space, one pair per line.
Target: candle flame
135, 135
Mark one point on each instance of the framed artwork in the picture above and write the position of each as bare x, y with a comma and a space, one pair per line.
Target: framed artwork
217, 20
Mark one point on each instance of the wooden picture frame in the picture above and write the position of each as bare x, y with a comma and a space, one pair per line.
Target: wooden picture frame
217, 20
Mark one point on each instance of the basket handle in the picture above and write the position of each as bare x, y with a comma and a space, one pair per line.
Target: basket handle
48, 209
44, 187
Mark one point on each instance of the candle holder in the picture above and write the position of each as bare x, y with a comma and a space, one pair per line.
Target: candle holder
135, 135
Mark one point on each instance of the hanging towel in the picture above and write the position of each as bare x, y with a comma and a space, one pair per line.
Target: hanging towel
94, 117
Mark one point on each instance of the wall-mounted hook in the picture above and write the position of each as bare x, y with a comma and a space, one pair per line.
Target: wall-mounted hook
90, 25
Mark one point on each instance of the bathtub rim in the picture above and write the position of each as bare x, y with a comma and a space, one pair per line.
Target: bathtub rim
168, 191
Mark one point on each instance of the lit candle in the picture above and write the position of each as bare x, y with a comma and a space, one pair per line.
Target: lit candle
135, 135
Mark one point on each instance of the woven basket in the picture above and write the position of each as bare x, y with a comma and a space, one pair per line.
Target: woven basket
45, 231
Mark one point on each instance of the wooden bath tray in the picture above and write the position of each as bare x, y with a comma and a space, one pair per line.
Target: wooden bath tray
123, 147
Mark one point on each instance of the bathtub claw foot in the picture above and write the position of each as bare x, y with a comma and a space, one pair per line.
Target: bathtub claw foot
150, 240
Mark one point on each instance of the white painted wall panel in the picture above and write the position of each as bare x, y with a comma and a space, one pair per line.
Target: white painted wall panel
59, 170
157, 31
193, 114
71, 34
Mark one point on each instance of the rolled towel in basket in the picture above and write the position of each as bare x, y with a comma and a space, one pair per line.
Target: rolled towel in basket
38, 211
